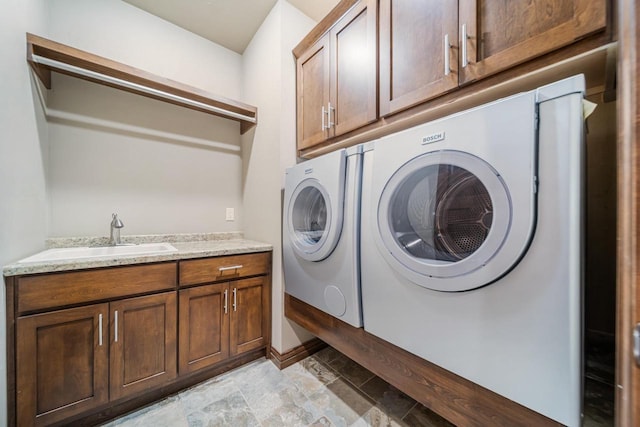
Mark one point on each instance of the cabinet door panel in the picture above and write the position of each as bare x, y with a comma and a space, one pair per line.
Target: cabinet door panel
353, 69
61, 364
501, 33
204, 326
313, 93
143, 344
248, 315
413, 55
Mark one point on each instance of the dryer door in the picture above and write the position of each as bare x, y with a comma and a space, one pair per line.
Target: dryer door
314, 224
443, 218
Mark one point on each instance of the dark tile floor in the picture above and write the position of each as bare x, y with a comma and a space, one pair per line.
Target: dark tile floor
326, 389
599, 382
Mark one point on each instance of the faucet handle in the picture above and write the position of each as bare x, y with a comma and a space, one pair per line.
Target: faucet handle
115, 222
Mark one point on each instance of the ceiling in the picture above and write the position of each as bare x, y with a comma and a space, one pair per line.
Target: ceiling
229, 23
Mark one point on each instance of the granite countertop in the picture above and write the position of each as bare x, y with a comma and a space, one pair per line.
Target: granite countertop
187, 245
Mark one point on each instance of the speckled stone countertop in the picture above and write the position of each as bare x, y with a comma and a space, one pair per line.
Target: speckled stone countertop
187, 245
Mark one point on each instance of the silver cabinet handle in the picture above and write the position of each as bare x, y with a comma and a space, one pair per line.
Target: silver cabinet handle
235, 294
463, 40
323, 113
116, 326
636, 343
225, 301
100, 329
330, 124
232, 267
447, 53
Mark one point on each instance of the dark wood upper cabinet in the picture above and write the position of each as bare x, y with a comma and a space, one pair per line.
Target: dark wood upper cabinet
204, 326
495, 34
353, 94
62, 364
143, 343
337, 78
418, 51
313, 93
426, 50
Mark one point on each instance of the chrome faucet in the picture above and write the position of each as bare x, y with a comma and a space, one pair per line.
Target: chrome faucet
116, 225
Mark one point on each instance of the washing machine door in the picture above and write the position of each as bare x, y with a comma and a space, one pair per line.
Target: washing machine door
314, 224
442, 218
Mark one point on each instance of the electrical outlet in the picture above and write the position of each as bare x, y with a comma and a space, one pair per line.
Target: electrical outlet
230, 214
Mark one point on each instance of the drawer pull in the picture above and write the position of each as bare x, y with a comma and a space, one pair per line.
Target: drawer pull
330, 124
233, 267
464, 37
447, 54
100, 329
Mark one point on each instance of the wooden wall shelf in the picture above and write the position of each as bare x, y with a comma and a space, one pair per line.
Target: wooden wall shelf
46, 55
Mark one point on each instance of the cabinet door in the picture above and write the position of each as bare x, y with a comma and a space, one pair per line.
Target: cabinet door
204, 326
143, 343
353, 69
61, 364
418, 51
248, 315
499, 34
312, 71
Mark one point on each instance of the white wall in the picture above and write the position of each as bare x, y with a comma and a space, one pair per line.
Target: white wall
122, 32
269, 83
160, 166
23, 148
163, 168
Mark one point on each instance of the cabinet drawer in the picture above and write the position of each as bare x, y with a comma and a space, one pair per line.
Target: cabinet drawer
61, 289
216, 269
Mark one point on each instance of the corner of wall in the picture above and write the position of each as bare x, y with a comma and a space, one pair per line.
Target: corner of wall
23, 147
265, 149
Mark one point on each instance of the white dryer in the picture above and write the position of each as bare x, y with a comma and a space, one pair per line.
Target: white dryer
320, 233
472, 245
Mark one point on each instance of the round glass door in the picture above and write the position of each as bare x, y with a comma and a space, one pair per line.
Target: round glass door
311, 230
444, 214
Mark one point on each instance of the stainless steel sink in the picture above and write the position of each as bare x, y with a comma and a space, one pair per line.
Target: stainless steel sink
60, 254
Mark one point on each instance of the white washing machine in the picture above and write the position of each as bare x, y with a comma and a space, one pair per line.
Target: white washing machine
472, 245
320, 233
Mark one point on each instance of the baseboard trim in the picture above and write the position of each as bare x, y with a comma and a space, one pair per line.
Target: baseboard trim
296, 354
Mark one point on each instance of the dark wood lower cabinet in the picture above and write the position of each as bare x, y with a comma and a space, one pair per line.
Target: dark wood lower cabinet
222, 320
141, 335
204, 326
143, 343
62, 364
249, 318
70, 361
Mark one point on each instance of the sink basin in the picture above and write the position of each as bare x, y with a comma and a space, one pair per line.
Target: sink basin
59, 254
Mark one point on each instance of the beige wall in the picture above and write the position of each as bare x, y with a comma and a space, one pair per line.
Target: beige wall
269, 83
23, 149
163, 168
